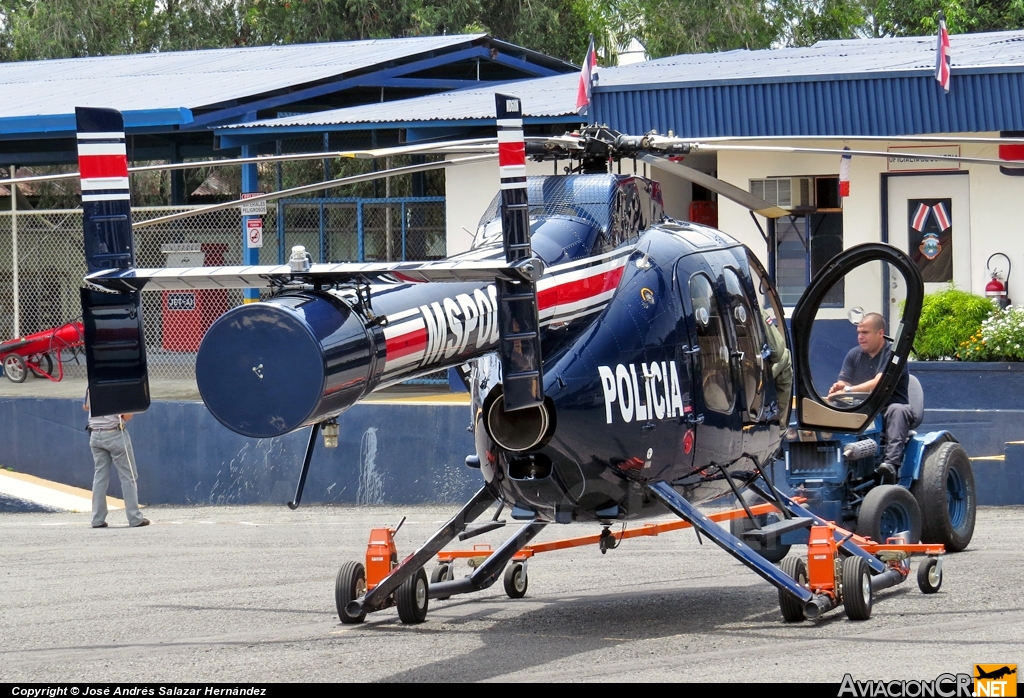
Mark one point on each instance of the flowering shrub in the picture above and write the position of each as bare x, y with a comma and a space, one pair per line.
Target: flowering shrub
1000, 338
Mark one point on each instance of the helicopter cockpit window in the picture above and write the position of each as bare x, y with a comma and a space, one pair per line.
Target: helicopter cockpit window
847, 350
715, 372
776, 348
748, 342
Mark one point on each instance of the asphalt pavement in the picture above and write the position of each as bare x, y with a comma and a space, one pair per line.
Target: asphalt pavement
247, 594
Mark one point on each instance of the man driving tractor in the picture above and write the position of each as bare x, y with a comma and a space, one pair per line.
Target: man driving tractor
862, 369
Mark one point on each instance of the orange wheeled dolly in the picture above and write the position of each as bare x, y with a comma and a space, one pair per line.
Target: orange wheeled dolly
840, 579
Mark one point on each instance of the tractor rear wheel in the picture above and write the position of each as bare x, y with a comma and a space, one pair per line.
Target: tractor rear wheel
947, 496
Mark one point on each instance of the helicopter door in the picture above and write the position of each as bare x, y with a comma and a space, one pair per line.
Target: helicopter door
851, 290
712, 369
748, 350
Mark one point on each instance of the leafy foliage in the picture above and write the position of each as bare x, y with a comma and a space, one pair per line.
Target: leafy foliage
948, 319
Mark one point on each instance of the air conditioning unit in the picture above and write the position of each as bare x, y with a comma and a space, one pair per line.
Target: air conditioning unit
785, 192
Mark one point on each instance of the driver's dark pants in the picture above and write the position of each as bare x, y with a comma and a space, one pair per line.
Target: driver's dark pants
898, 418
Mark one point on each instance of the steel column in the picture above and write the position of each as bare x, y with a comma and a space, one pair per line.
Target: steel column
14, 254
250, 185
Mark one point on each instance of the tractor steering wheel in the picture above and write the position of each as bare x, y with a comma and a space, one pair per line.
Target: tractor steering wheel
847, 399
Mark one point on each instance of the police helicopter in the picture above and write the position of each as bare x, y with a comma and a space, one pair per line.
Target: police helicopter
620, 363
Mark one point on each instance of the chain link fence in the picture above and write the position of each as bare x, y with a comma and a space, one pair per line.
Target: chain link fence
41, 292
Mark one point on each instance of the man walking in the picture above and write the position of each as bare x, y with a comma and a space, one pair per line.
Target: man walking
110, 444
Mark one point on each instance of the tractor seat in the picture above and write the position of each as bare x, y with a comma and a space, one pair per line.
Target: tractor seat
916, 395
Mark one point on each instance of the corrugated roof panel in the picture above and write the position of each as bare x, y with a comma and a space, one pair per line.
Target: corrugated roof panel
864, 57
865, 107
193, 79
873, 87
542, 97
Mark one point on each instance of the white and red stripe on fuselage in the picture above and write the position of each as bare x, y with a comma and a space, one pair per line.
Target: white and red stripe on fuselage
455, 326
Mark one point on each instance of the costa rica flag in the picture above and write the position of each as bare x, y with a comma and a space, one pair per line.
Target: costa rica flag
586, 78
942, 59
920, 218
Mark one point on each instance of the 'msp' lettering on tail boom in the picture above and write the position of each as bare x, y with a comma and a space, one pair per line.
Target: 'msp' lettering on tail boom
653, 392
452, 322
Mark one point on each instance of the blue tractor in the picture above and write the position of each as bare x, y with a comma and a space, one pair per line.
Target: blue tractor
934, 499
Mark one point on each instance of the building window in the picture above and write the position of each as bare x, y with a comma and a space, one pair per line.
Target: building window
806, 241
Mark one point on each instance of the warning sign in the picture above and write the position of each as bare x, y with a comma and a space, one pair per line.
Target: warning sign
254, 233
256, 208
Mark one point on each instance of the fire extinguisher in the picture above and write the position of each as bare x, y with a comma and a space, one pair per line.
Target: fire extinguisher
997, 290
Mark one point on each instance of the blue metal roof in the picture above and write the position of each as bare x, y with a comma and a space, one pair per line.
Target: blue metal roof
871, 87
174, 89
844, 59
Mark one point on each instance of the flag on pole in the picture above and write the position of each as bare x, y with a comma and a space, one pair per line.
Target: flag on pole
942, 59
586, 78
844, 173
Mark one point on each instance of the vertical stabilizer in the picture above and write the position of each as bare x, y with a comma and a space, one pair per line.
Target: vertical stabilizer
518, 323
115, 346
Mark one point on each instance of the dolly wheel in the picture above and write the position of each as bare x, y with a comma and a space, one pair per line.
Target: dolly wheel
857, 588
14, 368
792, 608
516, 580
442, 573
411, 598
45, 364
350, 585
929, 576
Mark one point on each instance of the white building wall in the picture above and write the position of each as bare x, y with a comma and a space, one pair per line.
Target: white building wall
469, 190
997, 224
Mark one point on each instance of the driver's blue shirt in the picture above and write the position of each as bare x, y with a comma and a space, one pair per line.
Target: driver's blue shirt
860, 367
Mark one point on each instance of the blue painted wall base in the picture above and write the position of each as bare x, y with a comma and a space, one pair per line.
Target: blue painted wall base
395, 454
387, 454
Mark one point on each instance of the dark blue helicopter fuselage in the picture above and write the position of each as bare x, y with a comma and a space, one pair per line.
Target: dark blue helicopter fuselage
624, 367
626, 405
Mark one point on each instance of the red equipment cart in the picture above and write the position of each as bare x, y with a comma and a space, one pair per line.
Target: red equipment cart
36, 352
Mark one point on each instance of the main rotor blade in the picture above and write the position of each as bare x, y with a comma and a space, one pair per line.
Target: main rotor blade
696, 147
907, 139
729, 191
329, 184
468, 145
440, 147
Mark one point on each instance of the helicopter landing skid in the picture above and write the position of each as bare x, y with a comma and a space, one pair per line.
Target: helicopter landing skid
842, 568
